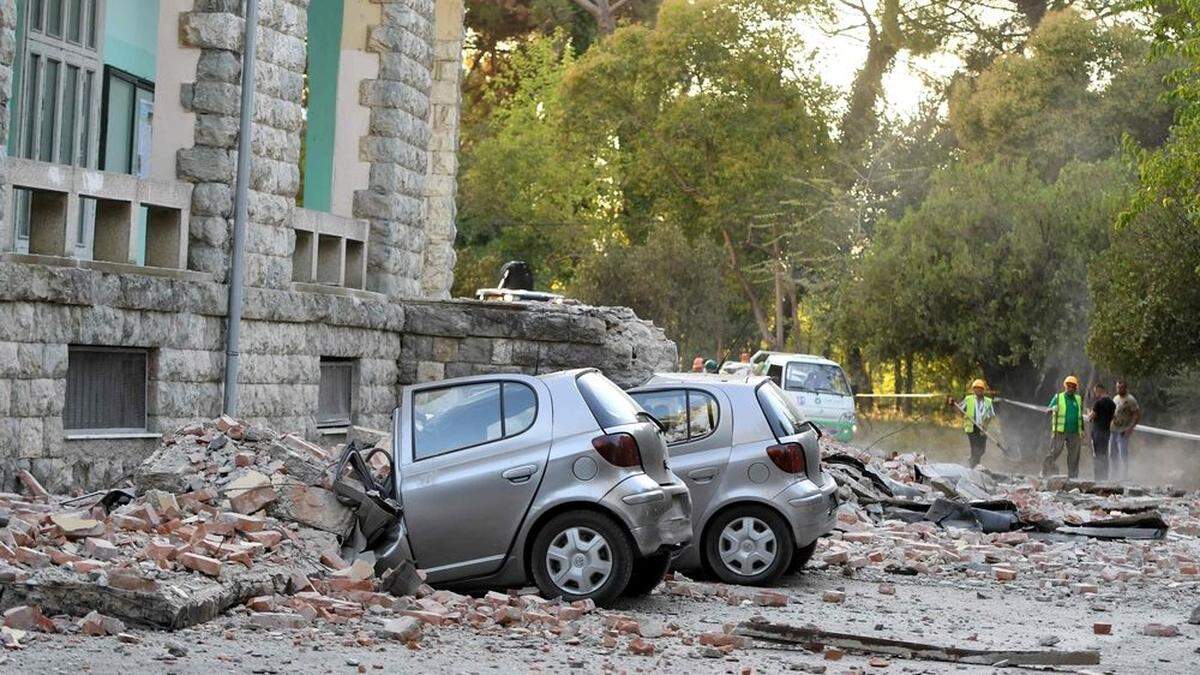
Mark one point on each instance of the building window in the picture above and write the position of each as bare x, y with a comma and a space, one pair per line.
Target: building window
125, 123
335, 393
106, 389
59, 97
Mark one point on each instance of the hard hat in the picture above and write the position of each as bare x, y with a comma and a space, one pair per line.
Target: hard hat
1071, 379
980, 384
710, 366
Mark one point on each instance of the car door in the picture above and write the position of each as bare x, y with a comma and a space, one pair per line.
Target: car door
698, 436
473, 453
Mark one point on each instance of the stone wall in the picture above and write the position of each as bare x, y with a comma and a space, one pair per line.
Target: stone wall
216, 28
179, 318
397, 147
445, 101
8, 37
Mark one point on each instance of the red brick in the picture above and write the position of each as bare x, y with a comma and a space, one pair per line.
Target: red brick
200, 563
1102, 628
640, 647
32, 557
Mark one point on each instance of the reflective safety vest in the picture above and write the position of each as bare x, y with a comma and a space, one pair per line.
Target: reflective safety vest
1060, 412
989, 411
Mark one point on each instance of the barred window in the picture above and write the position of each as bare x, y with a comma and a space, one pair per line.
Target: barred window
106, 389
335, 392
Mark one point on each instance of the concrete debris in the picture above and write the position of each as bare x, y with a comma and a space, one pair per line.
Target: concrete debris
1077, 537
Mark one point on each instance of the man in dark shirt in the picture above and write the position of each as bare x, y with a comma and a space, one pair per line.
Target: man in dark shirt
1101, 417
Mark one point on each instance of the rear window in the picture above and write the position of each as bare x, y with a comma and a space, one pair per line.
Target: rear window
783, 417
611, 406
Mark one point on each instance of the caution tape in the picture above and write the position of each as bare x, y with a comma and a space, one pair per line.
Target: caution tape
1141, 428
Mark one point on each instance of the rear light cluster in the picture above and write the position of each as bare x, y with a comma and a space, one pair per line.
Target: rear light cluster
618, 449
789, 457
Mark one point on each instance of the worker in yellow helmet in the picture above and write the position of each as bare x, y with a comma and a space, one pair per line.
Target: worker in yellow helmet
978, 411
1067, 415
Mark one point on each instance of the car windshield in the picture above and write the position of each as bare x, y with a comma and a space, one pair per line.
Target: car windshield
784, 418
819, 378
611, 406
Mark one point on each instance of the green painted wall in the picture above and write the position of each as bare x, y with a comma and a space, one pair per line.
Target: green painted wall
131, 36
131, 44
324, 51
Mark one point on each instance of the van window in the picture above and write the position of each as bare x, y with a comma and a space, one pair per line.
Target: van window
611, 406
818, 378
783, 417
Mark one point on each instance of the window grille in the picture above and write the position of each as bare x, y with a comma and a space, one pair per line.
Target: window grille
335, 392
106, 389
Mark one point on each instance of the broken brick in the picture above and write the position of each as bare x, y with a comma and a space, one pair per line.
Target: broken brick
640, 647
200, 563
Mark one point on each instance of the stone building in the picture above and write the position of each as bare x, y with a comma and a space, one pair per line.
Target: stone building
120, 119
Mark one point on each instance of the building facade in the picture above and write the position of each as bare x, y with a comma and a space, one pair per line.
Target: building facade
116, 217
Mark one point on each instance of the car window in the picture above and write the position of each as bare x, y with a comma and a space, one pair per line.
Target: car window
520, 407
702, 414
446, 419
688, 415
670, 407
818, 378
611, 406
783, 417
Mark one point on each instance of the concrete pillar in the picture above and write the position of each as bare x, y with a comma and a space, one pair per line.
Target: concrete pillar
8, 38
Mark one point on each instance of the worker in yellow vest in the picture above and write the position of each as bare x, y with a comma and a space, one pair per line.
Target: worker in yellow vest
978, 411
1066, 422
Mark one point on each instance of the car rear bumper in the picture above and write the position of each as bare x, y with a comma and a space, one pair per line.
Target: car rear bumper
810, 509
658, 516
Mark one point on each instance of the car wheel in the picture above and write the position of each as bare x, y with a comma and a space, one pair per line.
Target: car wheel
802, 556
647, 574
749, 545
582, 555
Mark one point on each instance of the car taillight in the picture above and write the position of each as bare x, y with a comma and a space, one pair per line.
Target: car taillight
618, 449
789, 457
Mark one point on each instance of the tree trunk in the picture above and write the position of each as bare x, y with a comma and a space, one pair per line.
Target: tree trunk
756, 308
604, 12
861, 121
908, 383
898, 386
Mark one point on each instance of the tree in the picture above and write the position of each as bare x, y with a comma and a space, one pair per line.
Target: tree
524, 192
714, 129
1147, 286
1072, 94
668, 279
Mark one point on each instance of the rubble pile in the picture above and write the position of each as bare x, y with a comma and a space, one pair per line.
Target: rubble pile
904, 516
222, 512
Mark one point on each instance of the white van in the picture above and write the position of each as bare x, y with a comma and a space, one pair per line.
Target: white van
818, 386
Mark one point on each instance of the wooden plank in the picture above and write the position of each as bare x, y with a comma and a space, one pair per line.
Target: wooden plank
811, 636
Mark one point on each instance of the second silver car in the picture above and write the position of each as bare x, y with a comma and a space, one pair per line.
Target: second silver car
760, 499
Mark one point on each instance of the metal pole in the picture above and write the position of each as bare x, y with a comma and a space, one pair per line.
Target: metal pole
233, 328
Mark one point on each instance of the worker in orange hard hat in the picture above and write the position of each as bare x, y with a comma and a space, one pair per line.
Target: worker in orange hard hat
978, 410
1067, 420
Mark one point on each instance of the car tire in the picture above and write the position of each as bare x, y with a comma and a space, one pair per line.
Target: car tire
771, 545
647, 574
802, 556
593, 558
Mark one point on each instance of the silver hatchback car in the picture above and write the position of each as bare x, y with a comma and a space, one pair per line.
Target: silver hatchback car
560, 479
760, 499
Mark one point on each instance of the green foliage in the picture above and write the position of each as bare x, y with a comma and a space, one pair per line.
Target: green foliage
1071, 94
990, 270
668, 278
1147, 286
523, 192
